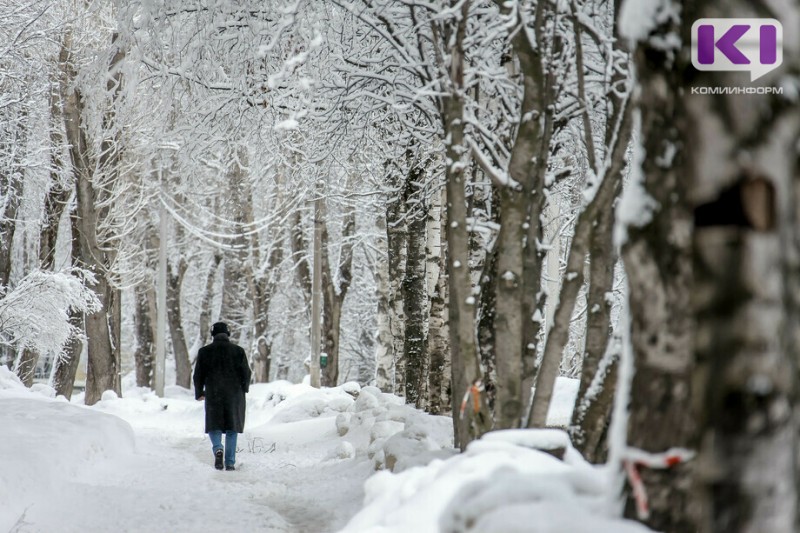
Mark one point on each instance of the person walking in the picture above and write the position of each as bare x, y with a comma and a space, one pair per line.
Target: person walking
222, 378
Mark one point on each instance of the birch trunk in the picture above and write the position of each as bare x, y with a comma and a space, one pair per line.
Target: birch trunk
415, 300
439, 376
143, 320
384, 370
397, 239
437, 334
745, 256
589, 424
657, 258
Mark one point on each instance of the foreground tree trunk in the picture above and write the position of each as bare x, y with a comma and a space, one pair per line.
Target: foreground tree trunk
657, 257
746, 258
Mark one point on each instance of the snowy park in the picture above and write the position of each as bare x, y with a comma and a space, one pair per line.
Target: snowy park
390, 266
141, 463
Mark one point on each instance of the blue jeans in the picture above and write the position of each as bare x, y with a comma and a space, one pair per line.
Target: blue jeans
230, 445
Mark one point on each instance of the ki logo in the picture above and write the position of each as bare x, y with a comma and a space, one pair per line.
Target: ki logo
754, 45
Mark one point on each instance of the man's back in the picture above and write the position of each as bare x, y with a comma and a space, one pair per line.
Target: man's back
222, 377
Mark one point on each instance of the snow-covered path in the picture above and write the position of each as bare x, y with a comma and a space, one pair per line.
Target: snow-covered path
306, 463
288, 475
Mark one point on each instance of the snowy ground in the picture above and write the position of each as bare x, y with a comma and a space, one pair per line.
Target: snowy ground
142, 463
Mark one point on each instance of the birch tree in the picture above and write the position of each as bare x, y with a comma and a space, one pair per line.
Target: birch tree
743, 188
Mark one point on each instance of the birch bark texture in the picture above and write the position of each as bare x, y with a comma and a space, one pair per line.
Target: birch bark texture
658, 266
742, 159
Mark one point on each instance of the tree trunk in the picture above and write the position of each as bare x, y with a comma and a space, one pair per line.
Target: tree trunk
519, 261
333, 295
263, 290
25, 365
439, 376
102, 369
143, 317
204, 320
59, 193
438, 349
397, 239
103, 365
414, 295
745, 259
384, 369
598, 331
466, 371
11, 185
183, 367
486, 325
65, 366
55, 201
595, 416
657, 257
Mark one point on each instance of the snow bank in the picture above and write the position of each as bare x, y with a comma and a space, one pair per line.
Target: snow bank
359, 422
45, 443
500, 483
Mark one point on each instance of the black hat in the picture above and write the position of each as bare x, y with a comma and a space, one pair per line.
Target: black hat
220, 327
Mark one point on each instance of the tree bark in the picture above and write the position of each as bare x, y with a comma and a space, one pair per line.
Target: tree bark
102, 368
743, 165
589, 422
384, 369
143, 318
466, 372
519, 261
183, 367
65, 366
103, 364
657, 257
414, 294
204, 320
397, 239
438, 348
334, 293
486, 325
439, 376
8, 226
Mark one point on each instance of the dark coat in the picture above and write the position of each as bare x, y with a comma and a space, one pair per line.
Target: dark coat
222, 375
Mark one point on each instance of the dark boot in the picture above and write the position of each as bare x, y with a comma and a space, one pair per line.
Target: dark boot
230, 467
218, 460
